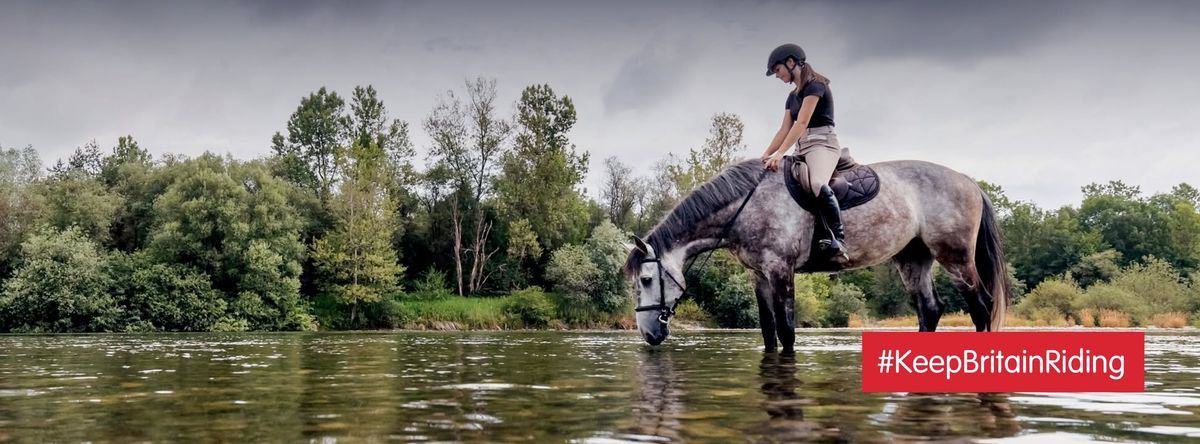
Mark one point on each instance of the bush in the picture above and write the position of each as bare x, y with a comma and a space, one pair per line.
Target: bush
690, 311
165, 297
606, 249
432, 285
1047, 316
63, 285
844, 300
1112, 318
1088, 318
1101, 297
530, 307
1169, 320
1052, 299
1096, 268
812, 295
573, 273
592, 273
1156, 285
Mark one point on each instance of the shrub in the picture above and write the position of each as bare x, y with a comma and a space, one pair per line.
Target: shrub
1088, 318
1156, 285
1052, 299
530, 307
844, 300
812, 296
1102, 297
62, 285
1169, 320
690, 311
1113, 318
573, 273
431, 285
606, 249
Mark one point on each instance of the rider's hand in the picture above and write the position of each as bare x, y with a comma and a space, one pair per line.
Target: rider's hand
773, 162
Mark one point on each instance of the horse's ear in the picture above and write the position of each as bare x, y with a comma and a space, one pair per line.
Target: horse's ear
640, 245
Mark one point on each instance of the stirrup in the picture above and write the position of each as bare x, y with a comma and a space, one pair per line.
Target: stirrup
833, 250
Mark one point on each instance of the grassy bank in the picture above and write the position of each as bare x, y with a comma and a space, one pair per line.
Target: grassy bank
505, 313
519, 310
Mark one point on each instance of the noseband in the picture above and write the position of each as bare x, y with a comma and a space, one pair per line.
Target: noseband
664, 311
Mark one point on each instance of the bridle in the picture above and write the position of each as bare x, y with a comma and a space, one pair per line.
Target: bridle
666, 311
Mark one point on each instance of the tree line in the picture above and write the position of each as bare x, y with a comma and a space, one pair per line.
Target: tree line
344, 226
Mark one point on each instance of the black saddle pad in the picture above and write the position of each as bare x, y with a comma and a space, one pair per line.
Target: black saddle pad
853, 187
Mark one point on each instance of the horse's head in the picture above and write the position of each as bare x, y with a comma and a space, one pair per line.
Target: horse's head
657, 288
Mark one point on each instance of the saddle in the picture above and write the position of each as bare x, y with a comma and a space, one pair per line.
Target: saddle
854, 184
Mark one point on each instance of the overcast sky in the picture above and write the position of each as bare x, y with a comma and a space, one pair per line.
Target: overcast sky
1038, 97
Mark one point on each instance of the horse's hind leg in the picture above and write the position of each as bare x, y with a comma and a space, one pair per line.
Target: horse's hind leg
961, 268
915, 264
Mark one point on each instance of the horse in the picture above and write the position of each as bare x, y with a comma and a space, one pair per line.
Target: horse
923, 212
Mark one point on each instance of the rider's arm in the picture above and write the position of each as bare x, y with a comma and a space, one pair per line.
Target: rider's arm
801, 125
777, 141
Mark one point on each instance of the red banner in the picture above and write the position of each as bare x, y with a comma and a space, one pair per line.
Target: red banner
1003, 362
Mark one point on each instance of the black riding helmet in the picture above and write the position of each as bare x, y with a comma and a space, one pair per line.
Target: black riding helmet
781, 54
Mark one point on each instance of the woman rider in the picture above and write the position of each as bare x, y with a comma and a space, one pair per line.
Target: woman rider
808, 123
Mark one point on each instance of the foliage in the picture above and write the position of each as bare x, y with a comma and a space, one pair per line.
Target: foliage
62, 285
1053, 298
530, 307
845, 300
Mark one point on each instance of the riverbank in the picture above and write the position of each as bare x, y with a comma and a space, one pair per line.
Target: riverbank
512, 313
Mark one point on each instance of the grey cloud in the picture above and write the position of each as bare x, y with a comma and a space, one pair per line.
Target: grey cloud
451, 45
649, 76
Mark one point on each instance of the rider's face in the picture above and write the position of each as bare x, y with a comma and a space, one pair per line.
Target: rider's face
781, 73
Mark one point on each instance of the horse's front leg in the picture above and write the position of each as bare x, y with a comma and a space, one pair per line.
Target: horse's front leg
784, 287
765, 292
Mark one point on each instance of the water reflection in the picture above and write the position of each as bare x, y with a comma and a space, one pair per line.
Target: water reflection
951, 415
784, 407
659, 404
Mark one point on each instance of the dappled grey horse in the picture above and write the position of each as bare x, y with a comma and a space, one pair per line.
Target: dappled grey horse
923, 212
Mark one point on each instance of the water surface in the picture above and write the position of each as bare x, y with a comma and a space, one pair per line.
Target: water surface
595, 387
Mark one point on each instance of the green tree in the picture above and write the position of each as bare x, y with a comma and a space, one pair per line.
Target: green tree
606, 247
1127, 221
86, 160
1157, 284
543, 154
19, 206
129, 173
316, 132
1096, 267
232, 221
62, 285
75, 199
719, 150
356, 258
573, 273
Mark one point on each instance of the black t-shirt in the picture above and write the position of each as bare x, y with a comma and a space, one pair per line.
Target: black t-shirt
821, 116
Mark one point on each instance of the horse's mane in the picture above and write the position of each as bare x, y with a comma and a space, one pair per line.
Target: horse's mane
732, 184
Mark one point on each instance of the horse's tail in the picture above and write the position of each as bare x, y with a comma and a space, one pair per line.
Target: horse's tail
990, 264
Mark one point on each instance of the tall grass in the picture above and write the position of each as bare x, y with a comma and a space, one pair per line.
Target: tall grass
454, 313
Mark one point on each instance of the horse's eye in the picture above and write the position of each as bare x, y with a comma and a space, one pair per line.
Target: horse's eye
646, 280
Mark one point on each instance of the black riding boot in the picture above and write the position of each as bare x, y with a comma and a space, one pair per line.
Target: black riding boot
832, 243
